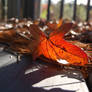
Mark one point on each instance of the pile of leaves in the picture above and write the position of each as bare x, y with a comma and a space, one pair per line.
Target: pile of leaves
62, 42
81, 35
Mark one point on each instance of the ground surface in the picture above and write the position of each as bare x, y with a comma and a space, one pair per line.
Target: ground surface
27, 76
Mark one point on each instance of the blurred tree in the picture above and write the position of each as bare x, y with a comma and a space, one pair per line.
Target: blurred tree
55, 9
81, 13
68, 11
90, 15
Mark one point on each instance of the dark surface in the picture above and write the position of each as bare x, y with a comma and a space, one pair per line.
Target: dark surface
14, 8
13, 77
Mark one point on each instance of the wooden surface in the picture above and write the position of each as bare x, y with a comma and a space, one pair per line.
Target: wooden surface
28, 76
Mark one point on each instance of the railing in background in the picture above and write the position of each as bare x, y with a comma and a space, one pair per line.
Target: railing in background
74, 12
19, 9
62, 8
88, 9
48, 10
3, 9
31, 8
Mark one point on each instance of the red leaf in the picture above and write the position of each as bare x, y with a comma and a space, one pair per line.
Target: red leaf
55, 47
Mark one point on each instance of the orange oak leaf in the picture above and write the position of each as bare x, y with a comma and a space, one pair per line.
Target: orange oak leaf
54, 47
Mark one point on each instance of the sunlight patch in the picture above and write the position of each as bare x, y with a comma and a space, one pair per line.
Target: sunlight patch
62, 61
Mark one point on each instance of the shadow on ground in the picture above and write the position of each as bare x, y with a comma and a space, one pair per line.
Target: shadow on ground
14, 79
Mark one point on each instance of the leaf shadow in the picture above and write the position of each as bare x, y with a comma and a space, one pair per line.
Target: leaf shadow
14, 79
